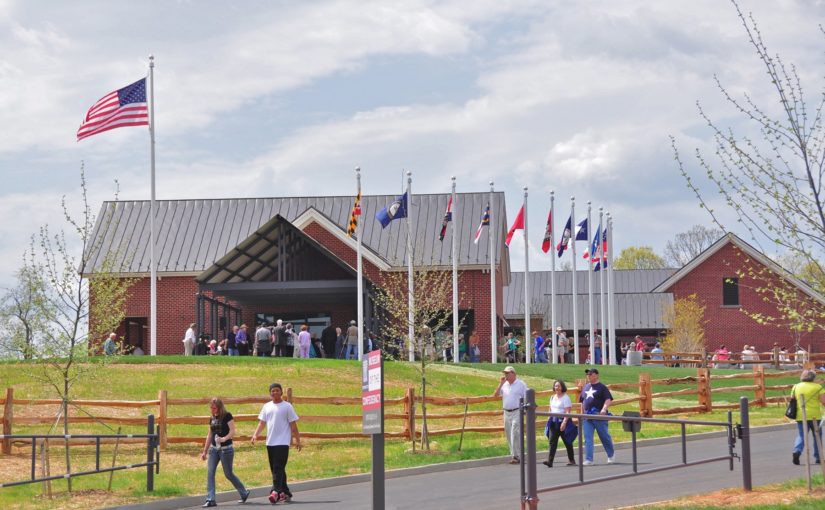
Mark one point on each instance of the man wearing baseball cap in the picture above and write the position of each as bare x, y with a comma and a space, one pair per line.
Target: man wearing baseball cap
511, 390
596, 399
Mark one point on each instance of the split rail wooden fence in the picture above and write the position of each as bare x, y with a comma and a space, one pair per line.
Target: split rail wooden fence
402, 414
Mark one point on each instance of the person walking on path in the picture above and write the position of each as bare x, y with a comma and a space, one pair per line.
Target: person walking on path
281, 426
218, 449
596, 399
511, 390
560, 403
814, 398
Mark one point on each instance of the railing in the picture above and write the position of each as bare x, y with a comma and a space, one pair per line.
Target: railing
403, 413
775, 358
152, 463
528, 478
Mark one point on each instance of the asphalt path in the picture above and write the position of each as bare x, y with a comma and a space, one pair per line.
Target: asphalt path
497, 486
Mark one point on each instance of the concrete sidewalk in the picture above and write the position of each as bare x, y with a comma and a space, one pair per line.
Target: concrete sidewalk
491, 483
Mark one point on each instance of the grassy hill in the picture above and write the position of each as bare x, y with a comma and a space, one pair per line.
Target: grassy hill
182, 471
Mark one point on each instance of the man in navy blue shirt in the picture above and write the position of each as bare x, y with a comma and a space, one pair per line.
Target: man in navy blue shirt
596, 399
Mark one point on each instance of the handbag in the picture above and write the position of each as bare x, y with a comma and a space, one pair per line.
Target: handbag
790, 411
570, 433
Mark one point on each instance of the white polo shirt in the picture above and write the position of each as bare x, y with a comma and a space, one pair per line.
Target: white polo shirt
512, 393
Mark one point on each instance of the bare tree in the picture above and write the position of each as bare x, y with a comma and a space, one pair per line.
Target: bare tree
772, 185
432, 314
686, 246
74, 310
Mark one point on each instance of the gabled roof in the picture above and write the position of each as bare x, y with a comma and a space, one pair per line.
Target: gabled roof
751, 252
191, 235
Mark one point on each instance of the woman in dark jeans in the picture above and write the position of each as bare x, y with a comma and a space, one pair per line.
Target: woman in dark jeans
218, 448
560, 403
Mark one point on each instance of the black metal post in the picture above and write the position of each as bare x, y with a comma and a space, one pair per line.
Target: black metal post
522, 461
34, 456
633, 443
731, 438
684, 444
744, 418
97, 454
530, 459
150, 454
378, 475
581, 449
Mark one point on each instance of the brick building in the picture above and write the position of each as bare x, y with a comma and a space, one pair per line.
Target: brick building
233, 261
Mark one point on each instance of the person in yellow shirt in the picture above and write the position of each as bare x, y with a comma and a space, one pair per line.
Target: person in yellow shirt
814, 398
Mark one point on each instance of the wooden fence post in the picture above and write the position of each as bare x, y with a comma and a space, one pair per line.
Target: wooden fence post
162, 418
759, 382
408, 400
704, 362
8, 419
703, 383
288, 395
776, 357
645, 395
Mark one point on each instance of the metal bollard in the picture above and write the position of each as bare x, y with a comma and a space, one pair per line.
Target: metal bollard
150, 454
531, 499
745, 436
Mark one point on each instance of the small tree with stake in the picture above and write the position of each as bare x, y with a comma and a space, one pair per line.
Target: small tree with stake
431, 314
75, 310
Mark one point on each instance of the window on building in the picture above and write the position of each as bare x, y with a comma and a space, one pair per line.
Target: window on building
730, 291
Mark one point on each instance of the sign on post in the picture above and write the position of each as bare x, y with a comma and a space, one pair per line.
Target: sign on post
372, 395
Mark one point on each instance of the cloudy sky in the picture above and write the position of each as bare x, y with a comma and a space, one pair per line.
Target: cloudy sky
277, 98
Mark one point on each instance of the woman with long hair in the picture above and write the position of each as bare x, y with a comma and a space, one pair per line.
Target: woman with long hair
556, 425
218, 448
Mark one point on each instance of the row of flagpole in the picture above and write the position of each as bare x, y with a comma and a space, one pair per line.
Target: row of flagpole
603, 238
133, 106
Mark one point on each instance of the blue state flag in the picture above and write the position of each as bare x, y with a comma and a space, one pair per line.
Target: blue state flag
392, 211
581, 231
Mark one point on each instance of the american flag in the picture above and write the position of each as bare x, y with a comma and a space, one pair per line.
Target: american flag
485, 222
121, 108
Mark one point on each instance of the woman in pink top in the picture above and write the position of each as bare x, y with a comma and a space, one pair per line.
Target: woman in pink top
304, 341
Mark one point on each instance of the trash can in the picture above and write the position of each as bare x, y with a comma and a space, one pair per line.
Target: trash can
634, 358
631, 426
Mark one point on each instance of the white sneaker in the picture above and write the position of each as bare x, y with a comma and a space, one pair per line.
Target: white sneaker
587, 463
611, 460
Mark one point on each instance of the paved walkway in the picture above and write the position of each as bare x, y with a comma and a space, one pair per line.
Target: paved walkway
497, 486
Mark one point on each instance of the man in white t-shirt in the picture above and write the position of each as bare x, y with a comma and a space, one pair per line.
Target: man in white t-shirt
511, 390
281, 425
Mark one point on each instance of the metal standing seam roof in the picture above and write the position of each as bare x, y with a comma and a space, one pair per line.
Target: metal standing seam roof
636, 306
193, 234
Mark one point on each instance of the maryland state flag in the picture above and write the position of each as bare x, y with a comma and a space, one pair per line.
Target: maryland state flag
353, 217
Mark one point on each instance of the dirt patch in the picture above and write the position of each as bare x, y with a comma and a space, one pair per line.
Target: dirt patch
738, 498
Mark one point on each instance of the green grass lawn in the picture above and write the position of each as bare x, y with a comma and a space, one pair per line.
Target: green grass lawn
182, 471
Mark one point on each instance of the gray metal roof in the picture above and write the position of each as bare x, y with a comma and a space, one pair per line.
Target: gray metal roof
636, 306
191, 235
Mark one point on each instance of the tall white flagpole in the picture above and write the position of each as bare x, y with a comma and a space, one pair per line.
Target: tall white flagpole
611, 312
590, 287
553, 278
528, 336
153, 270
360, 269
454, 220
606, 347
493, 321
410, 299
573, 225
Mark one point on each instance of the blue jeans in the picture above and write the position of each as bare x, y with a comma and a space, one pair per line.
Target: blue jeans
597, 355
225, 456
233, 352
601, 428
799, 443
352, 352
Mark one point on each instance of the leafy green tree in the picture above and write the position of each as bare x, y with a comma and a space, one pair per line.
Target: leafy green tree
639, 257
686, 317
23, 316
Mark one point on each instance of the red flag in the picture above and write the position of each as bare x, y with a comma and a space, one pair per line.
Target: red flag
518, 224
548, 234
